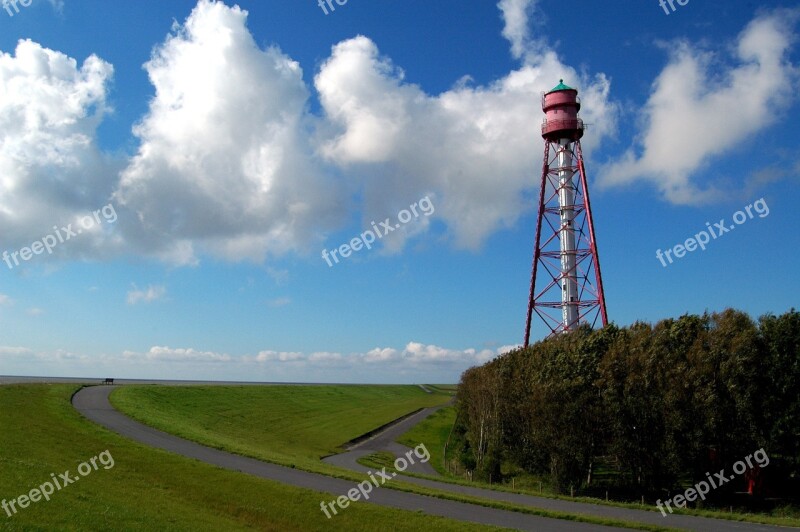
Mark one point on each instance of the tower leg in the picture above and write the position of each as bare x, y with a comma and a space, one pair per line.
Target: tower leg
536, 248
601, 295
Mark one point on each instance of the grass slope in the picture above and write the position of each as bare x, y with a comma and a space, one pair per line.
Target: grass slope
147, 489
289, 425
296, 425
433, 432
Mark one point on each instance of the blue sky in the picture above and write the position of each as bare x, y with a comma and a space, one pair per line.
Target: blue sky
234, 142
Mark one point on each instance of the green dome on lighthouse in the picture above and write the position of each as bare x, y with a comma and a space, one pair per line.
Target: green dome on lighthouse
561, 87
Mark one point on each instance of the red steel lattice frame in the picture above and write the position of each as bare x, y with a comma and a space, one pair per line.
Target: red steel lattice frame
591, 302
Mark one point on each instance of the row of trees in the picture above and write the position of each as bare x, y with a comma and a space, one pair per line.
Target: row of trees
641, 409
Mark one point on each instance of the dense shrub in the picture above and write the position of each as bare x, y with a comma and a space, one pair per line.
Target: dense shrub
652, 406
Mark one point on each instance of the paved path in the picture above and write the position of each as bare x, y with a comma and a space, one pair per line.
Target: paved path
385, 441
93, 403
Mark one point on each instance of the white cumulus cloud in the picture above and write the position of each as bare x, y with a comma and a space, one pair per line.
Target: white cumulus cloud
168, 354
473, 150
51, 170
517, 27
224, 164
148, 295
231, 161
699, 110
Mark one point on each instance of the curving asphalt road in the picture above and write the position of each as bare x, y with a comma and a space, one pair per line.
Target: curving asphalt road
385, 441
93, 403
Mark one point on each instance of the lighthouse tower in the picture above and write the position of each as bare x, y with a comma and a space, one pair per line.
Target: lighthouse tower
566, 286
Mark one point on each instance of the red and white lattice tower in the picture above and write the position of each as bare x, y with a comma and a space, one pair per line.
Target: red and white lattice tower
566, 286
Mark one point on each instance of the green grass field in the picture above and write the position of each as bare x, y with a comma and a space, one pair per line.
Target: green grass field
433, 432
297, 425
288, 425
41, 433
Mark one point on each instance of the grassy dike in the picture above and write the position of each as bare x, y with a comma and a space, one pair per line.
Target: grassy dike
298, 425
148, 489
433, 432
294, 426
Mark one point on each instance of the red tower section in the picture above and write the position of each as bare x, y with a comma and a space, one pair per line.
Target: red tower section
566, 285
